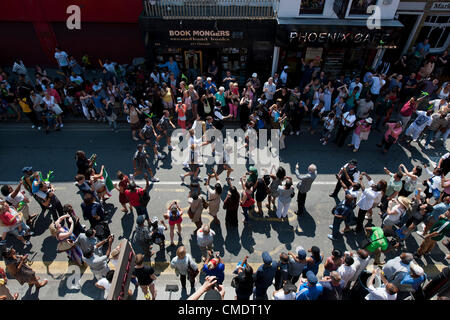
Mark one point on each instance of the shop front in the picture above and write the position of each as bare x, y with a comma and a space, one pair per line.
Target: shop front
338, 46
242, 47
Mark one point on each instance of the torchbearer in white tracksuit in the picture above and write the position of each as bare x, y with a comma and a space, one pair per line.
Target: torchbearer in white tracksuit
423, 120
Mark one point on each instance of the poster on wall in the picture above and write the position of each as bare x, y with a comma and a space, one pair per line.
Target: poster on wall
359, 7
312, 6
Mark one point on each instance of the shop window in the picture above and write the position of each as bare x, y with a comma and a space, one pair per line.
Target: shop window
359, 7
312, 6
437, 30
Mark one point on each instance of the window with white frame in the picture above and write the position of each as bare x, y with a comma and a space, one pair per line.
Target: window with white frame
437, 30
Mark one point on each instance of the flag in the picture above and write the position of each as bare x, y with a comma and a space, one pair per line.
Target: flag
108, 182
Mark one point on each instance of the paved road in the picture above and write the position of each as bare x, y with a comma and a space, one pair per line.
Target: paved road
21, 146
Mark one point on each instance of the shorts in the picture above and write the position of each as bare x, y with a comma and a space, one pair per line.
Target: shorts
135, 126
174, 222
221, 167
193, 167
142, 211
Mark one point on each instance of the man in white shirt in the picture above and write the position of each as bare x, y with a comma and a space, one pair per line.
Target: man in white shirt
105, 283
377, 83
362, 259
346, 271
110, 66
63, 60
284, 75
269, 89
439, 104
347, 123
423, 120
367, 199
364, 107
205, 239
386, 292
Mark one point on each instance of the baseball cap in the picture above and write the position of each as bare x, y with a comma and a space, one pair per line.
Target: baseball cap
140, 219
26, 169
353, 162
208, 79
154, 219
311, 277
254, 75
266, 257
179, 99
301, 252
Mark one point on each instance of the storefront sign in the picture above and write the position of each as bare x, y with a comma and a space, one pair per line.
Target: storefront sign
199, 35
440, 6
335, 37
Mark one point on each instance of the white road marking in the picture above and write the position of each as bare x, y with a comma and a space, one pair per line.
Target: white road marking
173, 183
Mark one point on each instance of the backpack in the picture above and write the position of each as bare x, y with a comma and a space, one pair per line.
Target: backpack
102, 230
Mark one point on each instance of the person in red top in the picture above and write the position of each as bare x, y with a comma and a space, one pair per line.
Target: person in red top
135, 196
407, 110
122, 187
391, 135
181, 108
10, 219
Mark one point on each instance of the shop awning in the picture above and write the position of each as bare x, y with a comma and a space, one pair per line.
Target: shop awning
390, 23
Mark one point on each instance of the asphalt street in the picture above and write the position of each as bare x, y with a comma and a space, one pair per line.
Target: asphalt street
22, 146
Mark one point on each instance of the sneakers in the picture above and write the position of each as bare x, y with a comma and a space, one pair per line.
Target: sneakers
331, 237
182, 177
297, 133
154, 179
330, 226
355, 150
170, 148
186, 165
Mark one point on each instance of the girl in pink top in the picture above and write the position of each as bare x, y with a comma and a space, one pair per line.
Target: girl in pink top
391, 136
361, 132
180, 108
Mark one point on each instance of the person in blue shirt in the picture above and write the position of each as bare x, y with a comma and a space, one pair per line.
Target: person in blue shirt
172, 66
264, 277
216, 268
341, 213
210, 85
98, 103
416, 276
310, 290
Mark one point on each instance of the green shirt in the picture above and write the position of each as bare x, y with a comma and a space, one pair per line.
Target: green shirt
393, 186
444, 232
378, 240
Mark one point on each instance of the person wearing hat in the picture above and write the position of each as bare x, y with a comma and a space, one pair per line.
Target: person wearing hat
157, 232
142, 234
395, 211
361, 132
391, 135
297, 263
210, 85
264, 277
333, 287
256, 83
348, 174
310, 290
286, 293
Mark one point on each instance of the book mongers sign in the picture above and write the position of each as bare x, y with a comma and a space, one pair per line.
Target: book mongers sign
200, 36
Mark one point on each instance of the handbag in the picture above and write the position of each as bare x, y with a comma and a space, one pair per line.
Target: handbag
65, 245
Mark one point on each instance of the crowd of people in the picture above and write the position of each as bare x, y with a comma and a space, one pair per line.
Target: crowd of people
155, 101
